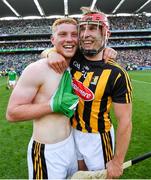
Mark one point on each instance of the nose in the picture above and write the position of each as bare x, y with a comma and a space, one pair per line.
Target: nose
86, 33
69, 38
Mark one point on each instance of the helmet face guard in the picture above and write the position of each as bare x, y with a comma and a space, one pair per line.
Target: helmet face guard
100, 20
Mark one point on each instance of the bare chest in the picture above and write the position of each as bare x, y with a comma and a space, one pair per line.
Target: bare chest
48, 87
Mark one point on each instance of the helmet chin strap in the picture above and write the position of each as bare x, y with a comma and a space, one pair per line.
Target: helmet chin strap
92, 52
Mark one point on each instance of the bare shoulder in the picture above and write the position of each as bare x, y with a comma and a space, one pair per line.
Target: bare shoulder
34, 72
39, 72
38, 67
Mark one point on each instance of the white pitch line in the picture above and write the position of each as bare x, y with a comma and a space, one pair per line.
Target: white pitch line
141, 81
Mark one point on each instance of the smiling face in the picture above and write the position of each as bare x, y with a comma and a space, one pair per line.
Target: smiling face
93, 31
91, 36
65, 39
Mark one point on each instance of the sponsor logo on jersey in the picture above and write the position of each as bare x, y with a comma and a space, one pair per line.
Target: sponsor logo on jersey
83, 92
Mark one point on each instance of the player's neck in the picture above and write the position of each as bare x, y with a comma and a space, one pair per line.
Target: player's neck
68, 60
97, 57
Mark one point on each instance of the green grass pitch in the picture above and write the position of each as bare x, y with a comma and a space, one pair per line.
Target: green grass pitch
14, 137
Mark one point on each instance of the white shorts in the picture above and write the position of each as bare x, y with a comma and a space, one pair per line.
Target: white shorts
94, 148
12, 83
52, 161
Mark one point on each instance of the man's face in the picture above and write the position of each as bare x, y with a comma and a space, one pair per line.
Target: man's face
91, 36
65, 39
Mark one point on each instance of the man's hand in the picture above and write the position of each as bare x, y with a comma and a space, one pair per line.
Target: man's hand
109, 53
102, 174
57, 62
114, 169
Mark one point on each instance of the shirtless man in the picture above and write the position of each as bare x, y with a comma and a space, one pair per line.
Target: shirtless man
51, 150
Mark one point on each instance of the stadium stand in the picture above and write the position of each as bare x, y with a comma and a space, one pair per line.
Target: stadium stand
21, 41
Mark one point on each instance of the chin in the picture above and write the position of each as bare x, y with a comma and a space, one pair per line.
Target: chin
69, 55
87, 48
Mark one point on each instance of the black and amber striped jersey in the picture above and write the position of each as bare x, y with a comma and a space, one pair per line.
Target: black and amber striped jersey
98, 84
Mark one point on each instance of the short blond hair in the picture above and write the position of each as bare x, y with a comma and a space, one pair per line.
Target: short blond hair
67, 20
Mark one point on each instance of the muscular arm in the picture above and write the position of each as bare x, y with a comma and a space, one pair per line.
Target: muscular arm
123, 134
58, 63
21, 106
123, 114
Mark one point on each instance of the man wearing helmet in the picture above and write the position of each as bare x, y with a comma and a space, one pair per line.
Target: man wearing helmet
99, 85
94, 21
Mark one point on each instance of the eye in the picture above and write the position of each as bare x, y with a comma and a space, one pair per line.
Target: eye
62, 34
82, 28
74, 34
93, 27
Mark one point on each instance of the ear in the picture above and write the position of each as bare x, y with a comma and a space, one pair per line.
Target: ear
52, 40
108, 34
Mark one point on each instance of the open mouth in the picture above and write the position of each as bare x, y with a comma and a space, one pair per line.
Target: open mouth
68, 47
87, 43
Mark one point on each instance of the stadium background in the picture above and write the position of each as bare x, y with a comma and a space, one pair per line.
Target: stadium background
22, 38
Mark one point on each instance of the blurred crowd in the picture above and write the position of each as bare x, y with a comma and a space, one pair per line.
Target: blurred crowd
25, 45
25, 26
39, 26
130, 22
127, 42
18, 61
111, 43
139, 55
